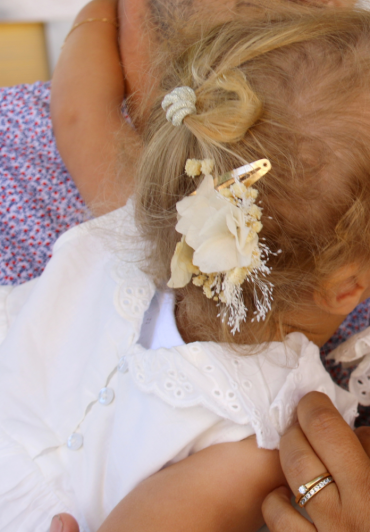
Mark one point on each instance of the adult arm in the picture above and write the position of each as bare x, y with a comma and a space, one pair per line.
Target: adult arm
98, 147
87, 94
219, 489
323, 442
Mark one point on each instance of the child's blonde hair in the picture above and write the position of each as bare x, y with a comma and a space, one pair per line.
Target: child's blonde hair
293, 87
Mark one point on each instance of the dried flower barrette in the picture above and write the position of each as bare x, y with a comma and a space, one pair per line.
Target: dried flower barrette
220, 247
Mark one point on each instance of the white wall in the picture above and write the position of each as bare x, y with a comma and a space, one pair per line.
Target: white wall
55, 33
57, 14
39, 10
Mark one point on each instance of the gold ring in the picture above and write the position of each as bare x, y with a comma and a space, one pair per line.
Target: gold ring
306, 487
309, 490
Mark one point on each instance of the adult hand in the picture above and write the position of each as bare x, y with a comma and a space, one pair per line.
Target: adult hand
322, 441
64, 523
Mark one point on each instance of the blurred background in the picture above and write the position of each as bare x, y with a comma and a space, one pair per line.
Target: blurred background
31, 35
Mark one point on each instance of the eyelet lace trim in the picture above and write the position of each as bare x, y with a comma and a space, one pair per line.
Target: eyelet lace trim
134, 290
235, 387
353, 349
133, 294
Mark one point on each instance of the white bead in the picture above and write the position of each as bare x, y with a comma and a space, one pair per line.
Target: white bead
75, 441
122, 365
106, 396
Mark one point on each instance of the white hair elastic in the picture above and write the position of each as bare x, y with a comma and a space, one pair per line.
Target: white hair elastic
178, 104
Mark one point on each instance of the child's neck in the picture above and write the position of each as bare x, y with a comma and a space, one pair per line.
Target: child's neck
317, 325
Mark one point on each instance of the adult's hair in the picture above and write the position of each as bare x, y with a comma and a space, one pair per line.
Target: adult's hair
292, 85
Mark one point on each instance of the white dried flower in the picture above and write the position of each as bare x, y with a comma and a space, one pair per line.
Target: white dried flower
199, 280
255, 212
208, 292
221, 247
216, 230
239, 190
207, 166
237, 275
222, 297
193, 167
257, 226
226, 193
251, 193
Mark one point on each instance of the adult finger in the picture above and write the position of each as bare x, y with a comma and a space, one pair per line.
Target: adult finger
64, 523
332, 439
280, 516
363, 434
301, 465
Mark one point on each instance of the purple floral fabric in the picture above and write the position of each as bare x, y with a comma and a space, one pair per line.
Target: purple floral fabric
39, 201
355, 322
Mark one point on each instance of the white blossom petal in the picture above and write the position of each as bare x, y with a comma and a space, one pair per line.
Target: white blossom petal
216, 254
181, 263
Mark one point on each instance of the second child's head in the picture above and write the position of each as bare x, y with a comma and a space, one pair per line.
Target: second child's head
292, 87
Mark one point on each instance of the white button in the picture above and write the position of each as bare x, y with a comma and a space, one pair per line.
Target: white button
75, 441
195, 348
122, 365
106, 396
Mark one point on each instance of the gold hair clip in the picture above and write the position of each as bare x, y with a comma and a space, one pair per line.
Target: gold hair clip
247, 174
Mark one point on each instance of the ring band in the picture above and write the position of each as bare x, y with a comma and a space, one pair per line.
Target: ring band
302, 500
306, 487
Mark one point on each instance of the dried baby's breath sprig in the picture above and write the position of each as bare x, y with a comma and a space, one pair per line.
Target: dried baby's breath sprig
193, 167
207, 166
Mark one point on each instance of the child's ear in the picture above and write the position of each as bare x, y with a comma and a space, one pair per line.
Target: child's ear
343, 292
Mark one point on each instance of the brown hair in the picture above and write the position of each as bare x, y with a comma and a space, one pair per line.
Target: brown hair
293, 86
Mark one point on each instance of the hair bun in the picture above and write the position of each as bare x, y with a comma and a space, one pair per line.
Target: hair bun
226, 108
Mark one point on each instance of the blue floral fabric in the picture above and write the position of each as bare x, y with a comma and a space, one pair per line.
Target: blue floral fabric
38, 199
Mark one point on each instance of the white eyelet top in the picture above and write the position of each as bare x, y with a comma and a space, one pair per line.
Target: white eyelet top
92, 403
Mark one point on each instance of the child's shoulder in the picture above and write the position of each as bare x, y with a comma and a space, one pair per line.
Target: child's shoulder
261, 389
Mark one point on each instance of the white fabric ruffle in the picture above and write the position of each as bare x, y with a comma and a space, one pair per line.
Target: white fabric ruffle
354, 351
30, 503
262, 389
